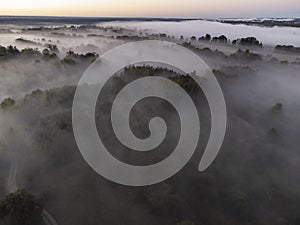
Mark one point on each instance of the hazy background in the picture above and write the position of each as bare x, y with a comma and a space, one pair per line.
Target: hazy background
153, 8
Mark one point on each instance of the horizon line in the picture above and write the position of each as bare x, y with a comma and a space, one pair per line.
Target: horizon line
150, 17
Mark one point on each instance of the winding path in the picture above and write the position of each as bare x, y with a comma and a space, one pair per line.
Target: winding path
11, 186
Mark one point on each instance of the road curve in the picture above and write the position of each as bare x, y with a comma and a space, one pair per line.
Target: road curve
11, 184
48, 218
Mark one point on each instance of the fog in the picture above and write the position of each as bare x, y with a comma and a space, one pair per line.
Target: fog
268, 35
64, 38
254, 179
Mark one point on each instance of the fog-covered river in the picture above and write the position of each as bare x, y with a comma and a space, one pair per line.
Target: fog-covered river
267, 35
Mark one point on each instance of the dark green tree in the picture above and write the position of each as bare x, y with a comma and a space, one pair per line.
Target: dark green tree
20, 208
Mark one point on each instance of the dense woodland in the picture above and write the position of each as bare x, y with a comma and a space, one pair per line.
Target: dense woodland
254, 180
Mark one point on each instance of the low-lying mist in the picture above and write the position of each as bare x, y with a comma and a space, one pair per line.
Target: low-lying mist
254, 179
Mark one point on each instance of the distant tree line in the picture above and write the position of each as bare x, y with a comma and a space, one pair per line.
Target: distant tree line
249, 41
48, 53
289, 48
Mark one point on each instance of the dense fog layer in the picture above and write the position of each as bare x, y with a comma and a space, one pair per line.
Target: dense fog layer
268, 35
254, 179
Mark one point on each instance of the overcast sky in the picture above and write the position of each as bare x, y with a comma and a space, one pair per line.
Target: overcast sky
153, 8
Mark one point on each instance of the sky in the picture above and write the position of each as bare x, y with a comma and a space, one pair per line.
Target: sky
152, 8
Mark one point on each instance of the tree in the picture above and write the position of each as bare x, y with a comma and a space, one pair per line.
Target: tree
7, 103
220, 39
207, 37
12, 50
250, 41
193, 38
3, 51
20, 208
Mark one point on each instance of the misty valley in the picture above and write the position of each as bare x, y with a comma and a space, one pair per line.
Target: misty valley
45, 180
